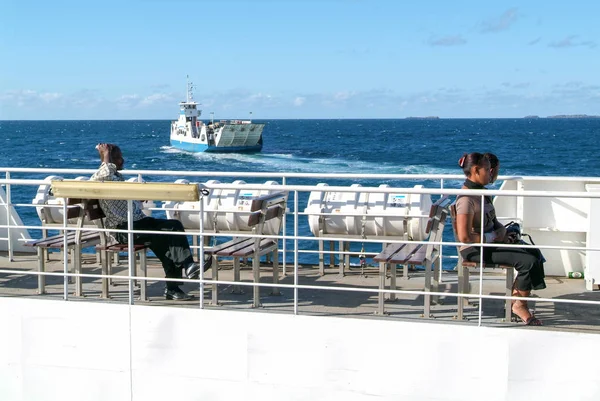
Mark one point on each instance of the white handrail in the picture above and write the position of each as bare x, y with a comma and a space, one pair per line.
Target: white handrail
297, 212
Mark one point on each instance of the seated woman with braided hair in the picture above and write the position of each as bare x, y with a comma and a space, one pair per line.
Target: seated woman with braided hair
530, 270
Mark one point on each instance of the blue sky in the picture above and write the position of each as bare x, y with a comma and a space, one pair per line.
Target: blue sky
129, 59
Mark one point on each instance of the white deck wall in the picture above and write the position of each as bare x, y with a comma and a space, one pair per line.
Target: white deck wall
56, 350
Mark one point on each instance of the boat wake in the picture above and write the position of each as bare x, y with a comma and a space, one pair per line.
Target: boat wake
268, 162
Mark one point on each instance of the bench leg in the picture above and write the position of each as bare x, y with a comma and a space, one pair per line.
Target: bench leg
331, 255
405, 271
321, 258
109, 264
275, 290
347, 256
509, 285
463, 288
380, 296
41, 268
393, 268
104, 263
342, 258
256, 288
72, 269
77, 269
144, 271
236, 277
427, 296
215, 276
437, 273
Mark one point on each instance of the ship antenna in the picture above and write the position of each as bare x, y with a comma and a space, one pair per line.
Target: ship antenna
190, 90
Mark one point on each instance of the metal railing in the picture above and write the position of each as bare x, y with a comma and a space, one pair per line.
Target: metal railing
20, 188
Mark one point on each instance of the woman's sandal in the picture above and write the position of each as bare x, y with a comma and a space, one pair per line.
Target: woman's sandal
533, 321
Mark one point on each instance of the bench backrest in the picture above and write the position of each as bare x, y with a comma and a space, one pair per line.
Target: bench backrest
435, 224
265, 208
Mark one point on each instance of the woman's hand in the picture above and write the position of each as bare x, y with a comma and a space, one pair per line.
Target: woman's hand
104, 150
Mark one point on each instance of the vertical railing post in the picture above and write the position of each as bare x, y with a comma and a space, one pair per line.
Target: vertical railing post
283, 248
295, 252
201, 243
8, 205
441, 257
65, 252
481, 237
130, 249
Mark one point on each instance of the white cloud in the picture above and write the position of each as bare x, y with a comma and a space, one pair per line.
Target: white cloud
156, 98
501, 23
299, 101
26, 97
448, 40
570, 41
343, 96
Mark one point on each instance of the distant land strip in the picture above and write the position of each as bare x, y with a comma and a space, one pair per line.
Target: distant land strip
566, 116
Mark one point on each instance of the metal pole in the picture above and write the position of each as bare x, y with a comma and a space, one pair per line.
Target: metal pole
8, 205
65, 253
130, 249
201, 243
481, 261
295, 253
441, 260
283, 247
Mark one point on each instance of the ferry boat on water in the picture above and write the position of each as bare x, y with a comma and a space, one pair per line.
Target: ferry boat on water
191, 134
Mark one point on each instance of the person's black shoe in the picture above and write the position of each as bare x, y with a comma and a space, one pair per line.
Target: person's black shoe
192, 271
176, 294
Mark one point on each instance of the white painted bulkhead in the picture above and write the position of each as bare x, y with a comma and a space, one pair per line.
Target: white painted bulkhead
57, 350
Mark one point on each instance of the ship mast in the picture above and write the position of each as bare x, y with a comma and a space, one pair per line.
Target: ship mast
190, 90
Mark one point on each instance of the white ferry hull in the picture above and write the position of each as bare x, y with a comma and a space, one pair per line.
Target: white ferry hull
229, 138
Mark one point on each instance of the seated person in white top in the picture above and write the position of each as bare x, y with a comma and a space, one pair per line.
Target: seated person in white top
172, 250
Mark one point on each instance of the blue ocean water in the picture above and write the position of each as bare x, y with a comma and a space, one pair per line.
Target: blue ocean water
556, 147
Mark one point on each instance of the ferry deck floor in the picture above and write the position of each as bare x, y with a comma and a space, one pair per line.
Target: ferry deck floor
556, 316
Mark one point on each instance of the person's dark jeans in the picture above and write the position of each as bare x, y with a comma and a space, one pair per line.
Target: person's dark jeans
173, 251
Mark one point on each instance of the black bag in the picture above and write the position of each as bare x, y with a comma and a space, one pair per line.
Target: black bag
514, 236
